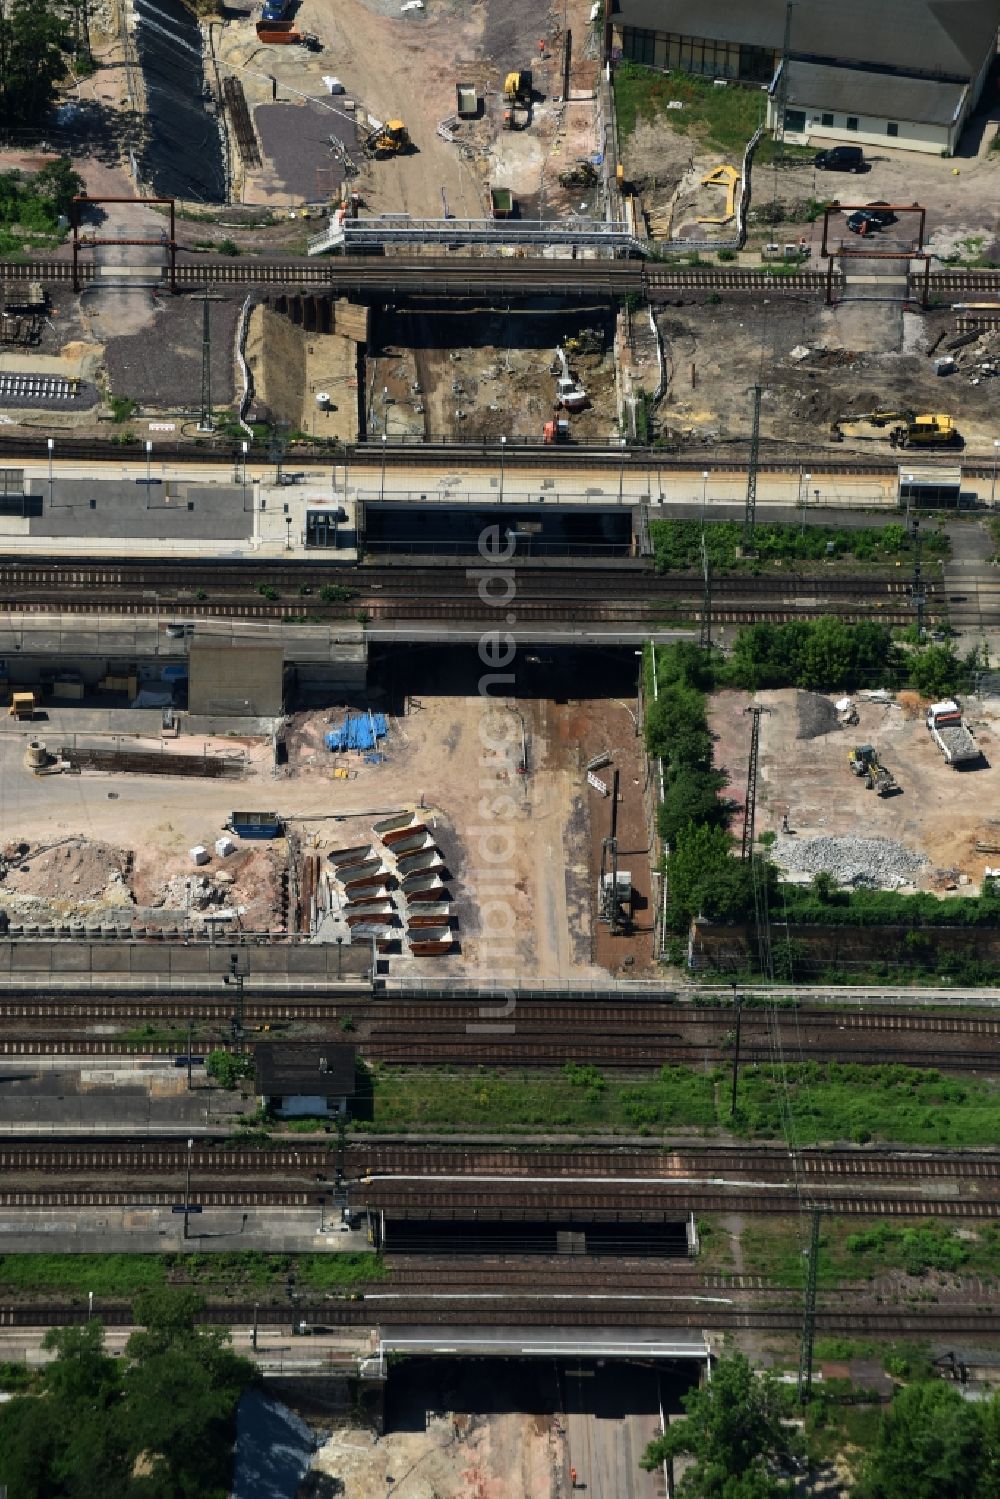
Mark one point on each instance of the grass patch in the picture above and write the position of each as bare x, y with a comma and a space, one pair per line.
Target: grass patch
576, 1098
677, 544
260, 1273
853, 1251
994, 526
122, 407
724, 117
839, 1101
161, 1035
77, 1274
826, 1103
120, 1277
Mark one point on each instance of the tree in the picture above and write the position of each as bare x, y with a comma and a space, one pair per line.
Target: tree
33, 39
936, 672
59, 183
734, 1433
156, 1424
931, 1445
704, 877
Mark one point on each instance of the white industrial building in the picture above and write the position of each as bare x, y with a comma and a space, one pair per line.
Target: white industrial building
903, 73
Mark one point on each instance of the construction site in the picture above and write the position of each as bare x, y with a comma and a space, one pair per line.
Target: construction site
858, 787
374, 836
828, 371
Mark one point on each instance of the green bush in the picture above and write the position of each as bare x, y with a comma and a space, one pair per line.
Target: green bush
229, 1068
677, 543
122, 407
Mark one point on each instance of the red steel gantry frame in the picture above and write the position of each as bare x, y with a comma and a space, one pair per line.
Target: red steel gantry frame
74, 218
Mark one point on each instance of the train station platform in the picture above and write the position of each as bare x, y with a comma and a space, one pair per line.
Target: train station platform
557, 1342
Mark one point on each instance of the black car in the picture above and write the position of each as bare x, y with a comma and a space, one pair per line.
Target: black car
840, 159
864, 222
880, 210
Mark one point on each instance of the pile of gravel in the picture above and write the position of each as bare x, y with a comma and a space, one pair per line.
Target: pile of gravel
878, 863
817, 715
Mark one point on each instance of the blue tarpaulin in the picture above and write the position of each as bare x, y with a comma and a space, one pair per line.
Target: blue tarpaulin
360, 731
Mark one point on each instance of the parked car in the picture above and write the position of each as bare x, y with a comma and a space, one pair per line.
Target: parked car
881, 211
864, 222
840, 159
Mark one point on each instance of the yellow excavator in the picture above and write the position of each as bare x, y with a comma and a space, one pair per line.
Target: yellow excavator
906, 429
517, 95
390, 139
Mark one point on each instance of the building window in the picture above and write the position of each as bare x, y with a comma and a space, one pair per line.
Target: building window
321, 528
892, 128
852, 122
639, 46
828, 122
795, 120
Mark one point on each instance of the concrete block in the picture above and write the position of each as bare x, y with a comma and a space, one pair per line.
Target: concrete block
199, 854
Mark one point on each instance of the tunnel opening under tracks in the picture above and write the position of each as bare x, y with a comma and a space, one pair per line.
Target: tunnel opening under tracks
399, 1234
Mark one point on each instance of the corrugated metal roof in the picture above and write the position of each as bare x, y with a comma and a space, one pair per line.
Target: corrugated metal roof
950, 38
854, 91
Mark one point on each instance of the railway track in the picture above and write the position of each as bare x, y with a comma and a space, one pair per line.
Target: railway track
429, 274
414, 1163
637, 1202
430, 579
492, 1184
367, 456
972, 1322
637, 1035
447, 594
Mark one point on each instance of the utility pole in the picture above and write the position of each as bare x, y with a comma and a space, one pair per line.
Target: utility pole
750, 813
750, 510
187, 1188
705, 637
278, 448
781, 101
205, 422
738, 1002
235, 977
809, 1313
918, 597
607, 895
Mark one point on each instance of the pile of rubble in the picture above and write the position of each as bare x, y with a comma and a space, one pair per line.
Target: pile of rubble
73, 871
876, 863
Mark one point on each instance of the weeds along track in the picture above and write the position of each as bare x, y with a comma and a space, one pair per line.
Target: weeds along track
634, 1036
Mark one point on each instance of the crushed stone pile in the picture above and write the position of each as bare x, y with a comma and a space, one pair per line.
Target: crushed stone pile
816, 715
877, 863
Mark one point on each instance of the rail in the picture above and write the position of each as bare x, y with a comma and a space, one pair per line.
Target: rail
435, 272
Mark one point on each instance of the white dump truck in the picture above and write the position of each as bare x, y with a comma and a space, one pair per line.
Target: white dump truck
944, 721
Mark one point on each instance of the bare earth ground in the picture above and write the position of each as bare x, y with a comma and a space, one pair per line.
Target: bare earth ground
436, 759
463, 1457
940, 813
394, 65
861, 357
481, 373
